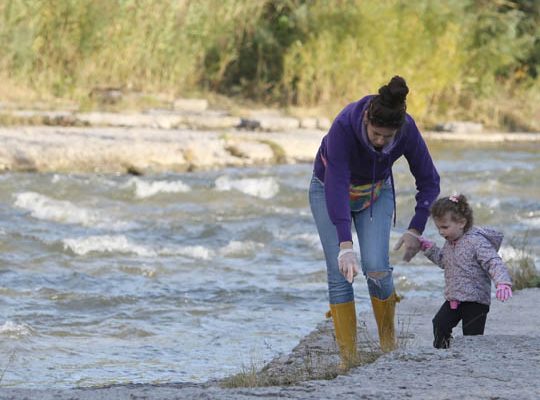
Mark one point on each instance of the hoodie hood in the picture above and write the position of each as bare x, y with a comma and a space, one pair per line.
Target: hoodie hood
494, 236
360, 130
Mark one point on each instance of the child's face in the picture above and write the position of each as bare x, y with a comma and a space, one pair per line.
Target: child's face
449, 228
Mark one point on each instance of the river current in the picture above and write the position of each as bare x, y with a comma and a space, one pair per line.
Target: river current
110, 279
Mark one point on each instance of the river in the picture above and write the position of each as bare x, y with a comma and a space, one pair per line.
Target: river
110, 279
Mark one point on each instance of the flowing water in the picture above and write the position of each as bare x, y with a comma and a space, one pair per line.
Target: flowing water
188, 277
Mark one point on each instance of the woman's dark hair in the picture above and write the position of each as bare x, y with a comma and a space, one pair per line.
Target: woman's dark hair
387, 109
457, 206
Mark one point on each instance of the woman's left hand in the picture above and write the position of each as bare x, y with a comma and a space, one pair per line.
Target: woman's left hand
411, 242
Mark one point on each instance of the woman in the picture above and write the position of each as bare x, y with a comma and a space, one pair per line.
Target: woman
353, 182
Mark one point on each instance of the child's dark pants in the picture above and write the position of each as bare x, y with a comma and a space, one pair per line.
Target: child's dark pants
473, 317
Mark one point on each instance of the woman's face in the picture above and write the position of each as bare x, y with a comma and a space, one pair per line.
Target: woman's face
379, 136
449, 228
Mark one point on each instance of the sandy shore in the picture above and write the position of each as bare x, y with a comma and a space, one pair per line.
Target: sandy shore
503, 364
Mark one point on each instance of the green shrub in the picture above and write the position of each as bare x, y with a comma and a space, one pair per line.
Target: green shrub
463, 59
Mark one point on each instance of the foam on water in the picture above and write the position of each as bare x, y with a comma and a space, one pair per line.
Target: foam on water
240, 249
264, 188
121, 244
290, 211
145, 189
45, 208
106, 244
197, 252
15, 331
311, 239
532, 219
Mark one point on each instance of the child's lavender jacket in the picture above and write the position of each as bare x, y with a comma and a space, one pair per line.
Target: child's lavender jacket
470, 264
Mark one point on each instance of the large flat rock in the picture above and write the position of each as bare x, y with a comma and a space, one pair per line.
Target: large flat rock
158, 143
146, 150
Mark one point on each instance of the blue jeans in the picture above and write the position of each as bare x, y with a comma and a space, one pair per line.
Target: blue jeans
373, 239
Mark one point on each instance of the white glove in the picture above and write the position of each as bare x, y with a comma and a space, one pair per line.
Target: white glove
412, 245
348, 264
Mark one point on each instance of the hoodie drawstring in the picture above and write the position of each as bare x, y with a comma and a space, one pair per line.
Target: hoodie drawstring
393, 195
393, 189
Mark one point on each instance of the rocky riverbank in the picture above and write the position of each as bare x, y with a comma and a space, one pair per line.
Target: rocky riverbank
147, 150
186, 138
504, 364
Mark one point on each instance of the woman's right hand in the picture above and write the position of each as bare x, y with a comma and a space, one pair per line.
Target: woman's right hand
411, 241
348, 264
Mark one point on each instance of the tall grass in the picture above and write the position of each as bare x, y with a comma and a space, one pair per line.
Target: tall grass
452, 54
521, 265
66, 45
364, 43
461, 58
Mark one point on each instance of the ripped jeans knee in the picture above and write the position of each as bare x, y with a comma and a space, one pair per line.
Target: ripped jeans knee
380, 284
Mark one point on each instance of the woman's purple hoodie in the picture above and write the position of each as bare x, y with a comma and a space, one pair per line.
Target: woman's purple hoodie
351, 159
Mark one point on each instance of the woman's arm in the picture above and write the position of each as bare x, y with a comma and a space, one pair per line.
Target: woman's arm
425, 174
337, 179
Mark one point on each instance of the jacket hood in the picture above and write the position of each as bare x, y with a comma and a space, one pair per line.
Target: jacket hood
494, 236
360, 130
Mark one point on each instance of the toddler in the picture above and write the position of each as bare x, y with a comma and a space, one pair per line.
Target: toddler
470, 261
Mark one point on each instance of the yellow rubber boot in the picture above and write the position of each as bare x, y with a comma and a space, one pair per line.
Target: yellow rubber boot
344, 316
384, 311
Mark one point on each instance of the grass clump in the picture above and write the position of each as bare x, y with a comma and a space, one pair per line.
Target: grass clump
522, 267
316, 357
313, 366
247, 377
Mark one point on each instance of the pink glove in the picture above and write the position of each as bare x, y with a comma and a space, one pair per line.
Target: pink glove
504, 291
425, 244
348, 264
454, 304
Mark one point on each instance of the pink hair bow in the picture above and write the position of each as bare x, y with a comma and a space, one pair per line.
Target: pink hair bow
454, 198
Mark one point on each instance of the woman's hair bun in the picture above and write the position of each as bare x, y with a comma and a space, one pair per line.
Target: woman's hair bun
393, 94
388, 108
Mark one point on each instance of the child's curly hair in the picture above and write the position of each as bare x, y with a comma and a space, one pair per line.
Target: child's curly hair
457, 206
